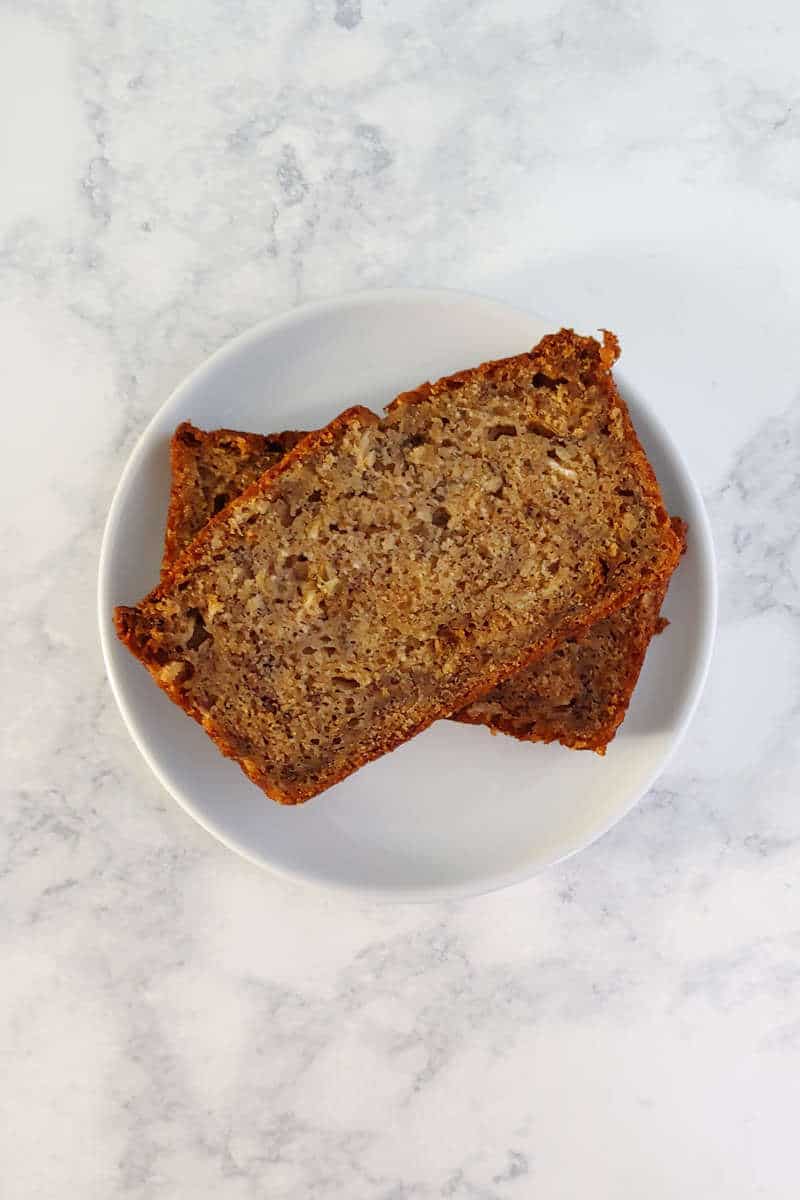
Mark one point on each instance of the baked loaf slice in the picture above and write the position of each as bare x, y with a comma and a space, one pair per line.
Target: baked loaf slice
389, 571
209, 470
577, 695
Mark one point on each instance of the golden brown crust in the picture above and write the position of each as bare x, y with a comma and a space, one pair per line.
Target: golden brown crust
548, 355
129, 620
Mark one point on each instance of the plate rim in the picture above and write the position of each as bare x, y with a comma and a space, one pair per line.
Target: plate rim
414, 893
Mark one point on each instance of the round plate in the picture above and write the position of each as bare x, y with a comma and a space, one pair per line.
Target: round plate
456, 811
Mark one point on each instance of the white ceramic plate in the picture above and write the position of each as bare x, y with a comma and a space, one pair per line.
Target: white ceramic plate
456, 811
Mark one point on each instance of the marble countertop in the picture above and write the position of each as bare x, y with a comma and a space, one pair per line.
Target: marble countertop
175, 1023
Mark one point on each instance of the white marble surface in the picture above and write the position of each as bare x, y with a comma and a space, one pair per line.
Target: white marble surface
174, 1023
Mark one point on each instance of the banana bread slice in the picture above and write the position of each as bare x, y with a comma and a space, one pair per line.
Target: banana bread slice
577, 695
387, 572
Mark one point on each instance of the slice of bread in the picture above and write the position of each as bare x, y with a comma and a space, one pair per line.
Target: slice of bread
577, 695
387, 572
